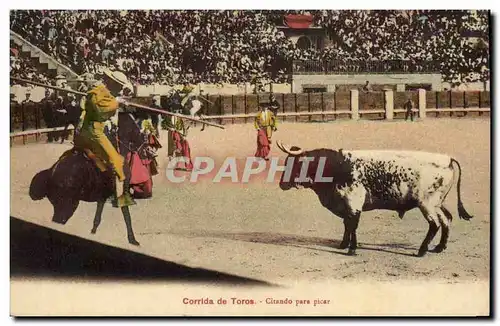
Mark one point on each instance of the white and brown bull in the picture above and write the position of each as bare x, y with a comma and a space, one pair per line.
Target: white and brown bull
350, 182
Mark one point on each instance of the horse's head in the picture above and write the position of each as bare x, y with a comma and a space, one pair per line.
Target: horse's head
174, 101
130, 136
176, 97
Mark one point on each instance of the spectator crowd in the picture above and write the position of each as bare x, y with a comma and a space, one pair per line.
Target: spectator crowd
173, 47
23, 67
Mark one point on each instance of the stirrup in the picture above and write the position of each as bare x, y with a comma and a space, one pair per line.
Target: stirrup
124, 200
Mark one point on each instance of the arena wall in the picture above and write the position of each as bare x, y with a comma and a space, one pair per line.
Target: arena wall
341, 101
396, 81
370, 105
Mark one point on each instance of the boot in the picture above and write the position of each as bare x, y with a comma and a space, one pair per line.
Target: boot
125, 199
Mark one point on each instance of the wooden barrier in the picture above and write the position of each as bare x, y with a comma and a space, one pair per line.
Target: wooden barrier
306, 107
38, 131
459, 110
347, 112
287, 114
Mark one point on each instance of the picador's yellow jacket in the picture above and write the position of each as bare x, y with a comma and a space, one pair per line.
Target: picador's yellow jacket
99, 106
187, 92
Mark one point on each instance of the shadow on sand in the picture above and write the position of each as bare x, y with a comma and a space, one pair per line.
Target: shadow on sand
306, 242
37, 251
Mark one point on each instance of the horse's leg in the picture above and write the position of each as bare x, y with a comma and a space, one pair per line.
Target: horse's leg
98, 215
64, 134
128, 223
125, 209
201, 118
75, 125
50, 134
67, 132
57, 133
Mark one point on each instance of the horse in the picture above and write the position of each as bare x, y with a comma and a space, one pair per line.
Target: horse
174, 102
75, 177
193, 108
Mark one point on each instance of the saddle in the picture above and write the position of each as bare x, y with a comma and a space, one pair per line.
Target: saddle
101, 165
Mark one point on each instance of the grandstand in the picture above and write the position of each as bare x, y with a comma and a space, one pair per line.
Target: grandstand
237, 47
398, 75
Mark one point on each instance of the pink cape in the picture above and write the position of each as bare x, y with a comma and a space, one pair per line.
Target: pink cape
263, 147
182, 145
139, 170
140, 176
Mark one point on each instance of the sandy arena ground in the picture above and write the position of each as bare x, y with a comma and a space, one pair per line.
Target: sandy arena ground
256, 230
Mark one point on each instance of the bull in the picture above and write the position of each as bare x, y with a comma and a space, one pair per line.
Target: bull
350, 182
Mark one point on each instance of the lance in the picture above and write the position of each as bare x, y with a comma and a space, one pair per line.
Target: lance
81, 80
140, 106
205, 99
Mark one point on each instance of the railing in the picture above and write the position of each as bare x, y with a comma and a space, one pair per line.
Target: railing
356, 67
347, 112
40, 53
305, 107
39, 131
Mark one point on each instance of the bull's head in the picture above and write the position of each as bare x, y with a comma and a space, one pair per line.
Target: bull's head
316, 169
292, 176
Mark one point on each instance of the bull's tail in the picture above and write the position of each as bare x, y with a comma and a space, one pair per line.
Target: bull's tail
462, 213
39, 185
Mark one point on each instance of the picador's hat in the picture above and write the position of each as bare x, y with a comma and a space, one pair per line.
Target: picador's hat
117, 76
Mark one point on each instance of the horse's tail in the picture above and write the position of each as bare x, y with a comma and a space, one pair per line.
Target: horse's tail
39, 185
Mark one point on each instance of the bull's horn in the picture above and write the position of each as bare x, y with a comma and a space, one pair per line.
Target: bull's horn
278, 143
287, 150
280, 146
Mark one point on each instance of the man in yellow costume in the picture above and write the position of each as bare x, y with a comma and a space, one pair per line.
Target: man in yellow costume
178, 144
265, 123
187, 92
99, 106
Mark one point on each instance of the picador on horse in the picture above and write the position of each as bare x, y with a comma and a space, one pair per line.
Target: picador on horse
108, 159
100, 106
186, 102
187, 94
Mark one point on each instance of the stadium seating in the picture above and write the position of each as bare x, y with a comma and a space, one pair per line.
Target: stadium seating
170, 47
